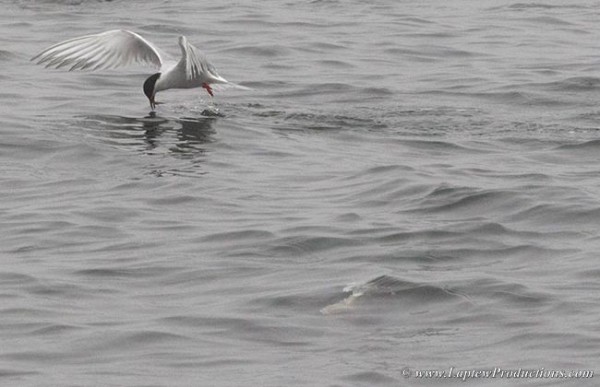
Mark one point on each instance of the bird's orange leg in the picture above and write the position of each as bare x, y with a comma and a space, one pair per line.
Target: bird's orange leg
208, 89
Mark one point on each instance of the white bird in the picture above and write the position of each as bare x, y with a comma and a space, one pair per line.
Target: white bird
119, 48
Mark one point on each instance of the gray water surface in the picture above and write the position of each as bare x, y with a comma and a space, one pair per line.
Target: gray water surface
407, 184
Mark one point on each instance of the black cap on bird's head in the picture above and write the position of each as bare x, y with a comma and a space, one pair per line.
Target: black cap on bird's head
149, 89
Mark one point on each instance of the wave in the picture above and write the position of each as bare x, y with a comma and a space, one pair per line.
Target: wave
466, 200
592, 145
385, 286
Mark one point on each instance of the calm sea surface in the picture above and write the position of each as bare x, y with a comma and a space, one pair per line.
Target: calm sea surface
409, 185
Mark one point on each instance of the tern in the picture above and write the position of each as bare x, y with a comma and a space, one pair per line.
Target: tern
118, 48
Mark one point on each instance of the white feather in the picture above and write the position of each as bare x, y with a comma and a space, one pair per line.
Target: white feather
107, 50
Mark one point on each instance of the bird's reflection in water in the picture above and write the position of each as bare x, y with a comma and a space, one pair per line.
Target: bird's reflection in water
185, 136
154, 127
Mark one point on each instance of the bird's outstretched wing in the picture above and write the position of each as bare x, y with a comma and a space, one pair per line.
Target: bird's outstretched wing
106, 50
196, 64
